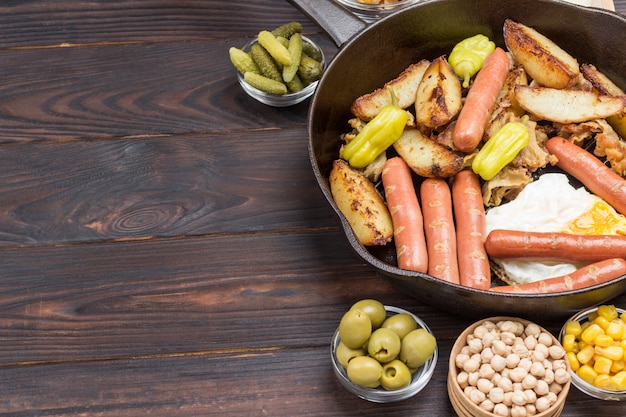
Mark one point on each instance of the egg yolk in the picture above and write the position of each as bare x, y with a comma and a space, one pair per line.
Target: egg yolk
600, 219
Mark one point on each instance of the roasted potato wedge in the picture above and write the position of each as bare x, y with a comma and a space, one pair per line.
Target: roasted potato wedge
438, 98
426, 157
507, 106
361, 204
543, 60
567, 106
604, 85
404, 88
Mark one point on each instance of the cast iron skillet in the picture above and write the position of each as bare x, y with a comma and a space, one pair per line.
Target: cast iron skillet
371, 55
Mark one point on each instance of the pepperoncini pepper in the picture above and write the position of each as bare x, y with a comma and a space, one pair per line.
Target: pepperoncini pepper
468, 56
377, 135
500, 149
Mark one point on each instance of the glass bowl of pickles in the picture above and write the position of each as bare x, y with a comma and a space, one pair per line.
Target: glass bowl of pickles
279, 68
595, 343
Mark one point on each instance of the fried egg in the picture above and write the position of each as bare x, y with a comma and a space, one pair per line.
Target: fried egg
552, 204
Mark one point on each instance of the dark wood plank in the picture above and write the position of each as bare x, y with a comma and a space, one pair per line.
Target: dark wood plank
168, 88
159, 186
124, 21
288, 381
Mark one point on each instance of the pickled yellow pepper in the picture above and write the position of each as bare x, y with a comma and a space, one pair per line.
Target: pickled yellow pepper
467, 57
500, 149
377, 135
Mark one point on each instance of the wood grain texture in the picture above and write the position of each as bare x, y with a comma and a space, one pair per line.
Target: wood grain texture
164, 248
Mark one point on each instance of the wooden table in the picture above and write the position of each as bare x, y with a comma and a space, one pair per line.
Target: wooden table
164, 248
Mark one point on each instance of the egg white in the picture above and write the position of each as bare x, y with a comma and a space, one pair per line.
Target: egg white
545, 205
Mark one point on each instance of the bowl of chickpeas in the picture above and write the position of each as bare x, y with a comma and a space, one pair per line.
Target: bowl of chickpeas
595, 344
372, 10
383, 353
506, 366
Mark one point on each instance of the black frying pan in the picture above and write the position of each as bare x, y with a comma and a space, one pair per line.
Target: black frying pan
371, 55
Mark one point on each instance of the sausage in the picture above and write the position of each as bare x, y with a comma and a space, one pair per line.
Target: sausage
469, 213
439, 229
583, 165
557, 247
596, 273
406, 215
480, 101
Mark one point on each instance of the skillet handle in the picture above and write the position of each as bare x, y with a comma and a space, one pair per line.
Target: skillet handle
338, 23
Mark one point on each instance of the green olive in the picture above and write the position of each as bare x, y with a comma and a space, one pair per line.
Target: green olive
355, 328
401, 323
365, 371
395, 375
417, 347
374, 309
384, 345
345, 354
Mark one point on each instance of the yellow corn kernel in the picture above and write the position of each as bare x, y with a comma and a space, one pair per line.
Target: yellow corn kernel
602, 322
584, 325
602, 381
603, 340
618, 381
591, 332
592, 316
587, 374
573, 327
581, 345
616, 329
573, 361
569, 342
609, 312
618, 366
613, 353
602, 365
586, 354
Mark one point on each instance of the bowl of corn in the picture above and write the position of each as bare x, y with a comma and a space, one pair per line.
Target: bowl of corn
280, 67
595, 343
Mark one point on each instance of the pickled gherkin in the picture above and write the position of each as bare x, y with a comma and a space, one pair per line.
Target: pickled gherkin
309, 69
287, 30
264, 61
295, 50
265, 84
242, 61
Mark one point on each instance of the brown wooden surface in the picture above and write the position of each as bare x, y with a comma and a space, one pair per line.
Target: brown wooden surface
164, 248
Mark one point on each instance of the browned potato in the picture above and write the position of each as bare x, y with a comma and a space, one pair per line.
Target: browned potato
427, 157
605, 86
543, 60
361, 204
438, 97
404, 88
507, 106
567, 106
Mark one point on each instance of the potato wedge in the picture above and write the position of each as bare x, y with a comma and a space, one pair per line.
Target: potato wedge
567, 106
507, 106
605, 86
361, 204
427, 157
438, 98
404, 88
543, 60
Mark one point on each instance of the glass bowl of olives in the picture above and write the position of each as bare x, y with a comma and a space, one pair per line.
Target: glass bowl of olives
301, 86
386, 353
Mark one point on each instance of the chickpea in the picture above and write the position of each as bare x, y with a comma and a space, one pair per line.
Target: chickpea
487, 405
512, 360
472, 378
561, 376
529, 382
481, 331
498, 347
508, 398
521, 350
545, 339
525, 363
508, 338
531, 396
477, 396
460, 359
498, 363
533, 329
518, 398
501, 410
556, 352
549, 376
484, 385
505, 384
496, 395
518, 411
542, 404
489, 338
559, 364
462, 379
486, 355
475, 346
486, 371
518, 374
470, 365
531, 410
542, 388
555, 388
530, 342
537, 369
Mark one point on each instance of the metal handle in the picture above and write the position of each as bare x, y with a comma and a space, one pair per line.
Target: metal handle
336, 21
